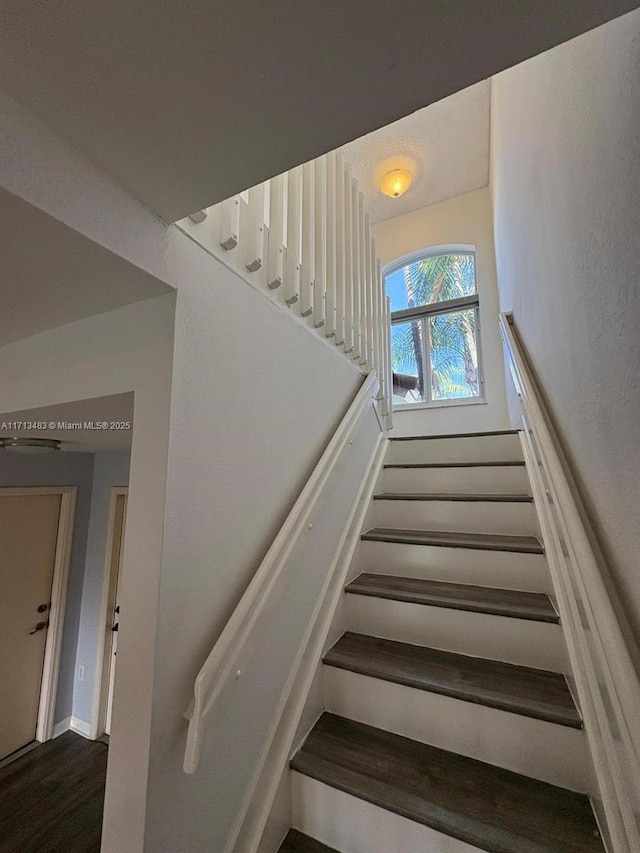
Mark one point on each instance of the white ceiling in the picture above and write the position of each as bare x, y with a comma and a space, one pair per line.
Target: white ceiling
51, 275
117, 408
445, 147
186, 104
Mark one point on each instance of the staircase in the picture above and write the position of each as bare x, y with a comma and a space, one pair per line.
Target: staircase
449, 726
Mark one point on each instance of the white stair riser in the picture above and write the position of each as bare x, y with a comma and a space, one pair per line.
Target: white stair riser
352, 825
546, 751
483, 448
507, 480
509, 518
506, 569
519, 641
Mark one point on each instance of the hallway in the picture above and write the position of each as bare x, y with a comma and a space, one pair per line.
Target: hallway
51, 798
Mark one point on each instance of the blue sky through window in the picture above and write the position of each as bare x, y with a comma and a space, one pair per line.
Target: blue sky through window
396, 290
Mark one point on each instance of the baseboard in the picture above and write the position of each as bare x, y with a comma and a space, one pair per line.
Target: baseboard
74, 724
61, 727
80, 727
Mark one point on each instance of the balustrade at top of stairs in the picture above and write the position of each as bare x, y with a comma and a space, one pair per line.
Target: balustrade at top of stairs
304, 240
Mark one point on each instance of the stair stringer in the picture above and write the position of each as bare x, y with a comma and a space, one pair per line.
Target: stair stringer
602, 651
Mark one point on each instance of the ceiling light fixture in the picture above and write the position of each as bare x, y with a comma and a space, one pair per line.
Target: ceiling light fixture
29, 444
396, 183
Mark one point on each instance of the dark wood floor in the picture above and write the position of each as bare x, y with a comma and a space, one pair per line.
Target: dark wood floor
51, 798
296, 842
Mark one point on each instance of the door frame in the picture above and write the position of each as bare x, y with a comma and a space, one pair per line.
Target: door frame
59, 585
101, 682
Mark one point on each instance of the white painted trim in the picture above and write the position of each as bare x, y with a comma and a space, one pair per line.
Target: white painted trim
344, 822
525, 642
536, 748
221, 662
74, 724
53, 642
263, 789
61, 727
605, 678
502, 569
506, 518
439, 404
81, 727
100, 683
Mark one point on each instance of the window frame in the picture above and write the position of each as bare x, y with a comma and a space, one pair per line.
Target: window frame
423, 313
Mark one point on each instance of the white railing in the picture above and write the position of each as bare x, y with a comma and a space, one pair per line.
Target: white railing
606, 679
221, 670
304, 239
252, 688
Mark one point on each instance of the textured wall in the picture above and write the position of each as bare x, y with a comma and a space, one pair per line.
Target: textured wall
464, 219
60, 469
566, 183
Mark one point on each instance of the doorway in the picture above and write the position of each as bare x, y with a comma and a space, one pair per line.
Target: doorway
111, 609
36, 528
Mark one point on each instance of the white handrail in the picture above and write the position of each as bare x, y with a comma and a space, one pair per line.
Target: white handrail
606, 679
220, 666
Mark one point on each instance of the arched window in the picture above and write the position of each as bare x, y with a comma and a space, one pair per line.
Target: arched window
434, 327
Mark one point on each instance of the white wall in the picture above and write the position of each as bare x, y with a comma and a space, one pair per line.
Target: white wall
464, 219
41, 168
109, 469
566, 183
256, 399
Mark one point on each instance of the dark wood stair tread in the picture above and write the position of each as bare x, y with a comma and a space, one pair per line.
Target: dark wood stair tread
457, 596
507, 463
298, 842
518, 689
453, 435
452, 496
480, 541
494, 809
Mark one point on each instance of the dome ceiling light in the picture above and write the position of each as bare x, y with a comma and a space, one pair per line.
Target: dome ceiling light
396, 183
30, 445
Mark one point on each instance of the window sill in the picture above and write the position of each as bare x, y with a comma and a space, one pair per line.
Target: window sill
440, 404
